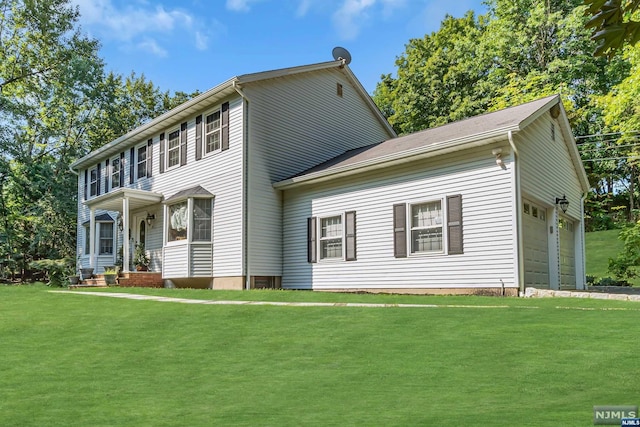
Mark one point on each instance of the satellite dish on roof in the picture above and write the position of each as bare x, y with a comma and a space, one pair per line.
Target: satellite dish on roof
340, 54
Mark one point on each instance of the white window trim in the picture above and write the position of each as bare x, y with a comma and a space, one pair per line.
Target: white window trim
167, 151
320, 238
111, 171
96, 244
443, 225
100, 224
218, 109
91, 181
190, 222
146, 159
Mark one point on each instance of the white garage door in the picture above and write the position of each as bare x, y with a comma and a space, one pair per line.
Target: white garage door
567, 254
536, 249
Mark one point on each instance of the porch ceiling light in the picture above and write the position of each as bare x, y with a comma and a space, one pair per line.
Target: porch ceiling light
563, 203
150, 218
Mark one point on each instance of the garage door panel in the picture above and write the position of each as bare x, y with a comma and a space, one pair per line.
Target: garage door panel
535, 245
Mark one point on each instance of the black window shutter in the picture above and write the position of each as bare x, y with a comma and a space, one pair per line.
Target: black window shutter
121, 169
98, 181
311, 240
149, 157
183, 144
132, 164
225, 126
400, 231
86, 184
162, 143
350, 238
454, 224
199, 137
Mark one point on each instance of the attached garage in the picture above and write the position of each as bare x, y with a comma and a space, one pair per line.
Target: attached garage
535, 245
566, 228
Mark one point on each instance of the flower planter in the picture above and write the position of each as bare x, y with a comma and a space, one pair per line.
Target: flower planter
86, 273
110, 279
74, 280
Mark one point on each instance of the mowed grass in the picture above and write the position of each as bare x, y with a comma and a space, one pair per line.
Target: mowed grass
599, 247
77, 360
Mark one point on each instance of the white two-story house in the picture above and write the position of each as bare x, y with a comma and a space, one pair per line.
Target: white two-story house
293, 178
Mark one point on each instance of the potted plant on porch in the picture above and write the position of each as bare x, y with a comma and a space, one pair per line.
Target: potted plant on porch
110, 274
140, 258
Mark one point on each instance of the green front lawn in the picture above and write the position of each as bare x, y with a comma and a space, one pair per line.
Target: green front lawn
599, 247
76, 360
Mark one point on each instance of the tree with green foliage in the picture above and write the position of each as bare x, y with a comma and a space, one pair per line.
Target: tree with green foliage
614, 23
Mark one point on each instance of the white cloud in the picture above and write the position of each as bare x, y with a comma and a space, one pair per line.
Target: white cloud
150, 45
350, 16
134, 24
240, 5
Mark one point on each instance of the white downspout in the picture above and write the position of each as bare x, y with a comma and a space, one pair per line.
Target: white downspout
246, 272
519, 259
583, 263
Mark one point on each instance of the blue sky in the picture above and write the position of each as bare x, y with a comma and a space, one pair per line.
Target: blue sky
197, 44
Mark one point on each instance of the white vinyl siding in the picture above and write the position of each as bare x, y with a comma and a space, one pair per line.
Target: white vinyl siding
284, 140
546, 172
486, 192
222, 175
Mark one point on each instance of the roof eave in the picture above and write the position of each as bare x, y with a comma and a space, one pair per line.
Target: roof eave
161, 122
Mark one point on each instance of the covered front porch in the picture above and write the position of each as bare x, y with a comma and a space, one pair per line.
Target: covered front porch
138, 211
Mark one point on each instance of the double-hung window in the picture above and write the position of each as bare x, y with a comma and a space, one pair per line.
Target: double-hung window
142, 161
331, 237
93, 182
426, 227
334, 237
106, 239
115, 172
212, 132
421, 228
173, 149
201, 220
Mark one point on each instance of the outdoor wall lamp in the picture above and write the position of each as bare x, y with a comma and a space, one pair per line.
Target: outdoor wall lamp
563, 203
498, 153
150, 218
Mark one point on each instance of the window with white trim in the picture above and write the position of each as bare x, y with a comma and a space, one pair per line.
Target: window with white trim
87, 240
426, 227
198, 220
106, 239
93, 182
212, 132
173, 149
141, 161
331, 236
201, 220
115, 172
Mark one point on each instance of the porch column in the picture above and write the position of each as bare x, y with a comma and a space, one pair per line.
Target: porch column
125, 234
92, 238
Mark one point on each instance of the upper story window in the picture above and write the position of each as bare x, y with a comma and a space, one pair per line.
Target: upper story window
115, 172
142, 161
173, 149
94, 182
212, 132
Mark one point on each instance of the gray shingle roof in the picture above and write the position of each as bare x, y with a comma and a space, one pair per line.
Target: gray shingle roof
472, 129
189, 192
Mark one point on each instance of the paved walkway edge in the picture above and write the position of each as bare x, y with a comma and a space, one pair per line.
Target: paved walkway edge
545, 293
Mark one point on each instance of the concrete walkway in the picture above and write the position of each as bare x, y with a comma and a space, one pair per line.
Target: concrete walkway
290, 304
